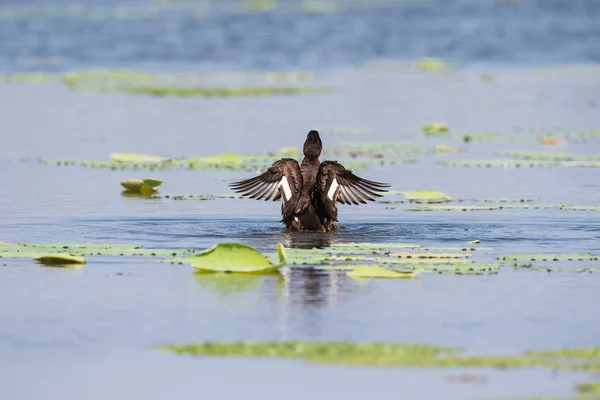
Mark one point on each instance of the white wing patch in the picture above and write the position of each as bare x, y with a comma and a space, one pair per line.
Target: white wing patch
332, 189
286, 188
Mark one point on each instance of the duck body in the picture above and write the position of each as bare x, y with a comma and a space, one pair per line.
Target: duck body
310, 191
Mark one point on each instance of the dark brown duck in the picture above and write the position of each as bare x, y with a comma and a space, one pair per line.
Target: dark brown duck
310, 191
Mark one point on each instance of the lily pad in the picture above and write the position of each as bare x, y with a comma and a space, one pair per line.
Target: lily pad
59, 259
549, 257
224, 91
235, 258
138, 186
380, 272
412, 255
373, 354
137, 158
589, 387
427, 196
435, 127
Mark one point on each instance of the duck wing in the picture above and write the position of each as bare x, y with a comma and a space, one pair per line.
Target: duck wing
283, 180
335, 183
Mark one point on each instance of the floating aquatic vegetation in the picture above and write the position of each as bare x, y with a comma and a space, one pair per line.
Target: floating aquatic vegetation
532, 267
554, 156
548, 257
451, 208
138, 158
235, 258
432, 64
486, 77
373, 354
435, 127
223, 91
444, 148
22, 250
499, 163
375, 271
144, 187
589, 387
427, 196
549, 141
413, 255
60, 260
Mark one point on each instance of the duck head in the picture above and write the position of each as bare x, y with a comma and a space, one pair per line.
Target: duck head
312, 145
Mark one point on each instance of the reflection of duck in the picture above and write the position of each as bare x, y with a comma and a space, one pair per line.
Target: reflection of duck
310, 191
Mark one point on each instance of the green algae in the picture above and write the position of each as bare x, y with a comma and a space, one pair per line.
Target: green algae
373, 354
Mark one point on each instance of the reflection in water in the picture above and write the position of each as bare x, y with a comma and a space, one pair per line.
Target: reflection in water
308, 240
227, 283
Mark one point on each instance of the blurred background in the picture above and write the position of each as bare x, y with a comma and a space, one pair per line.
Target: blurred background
290, 34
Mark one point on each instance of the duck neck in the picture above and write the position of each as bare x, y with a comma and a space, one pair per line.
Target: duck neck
311, 161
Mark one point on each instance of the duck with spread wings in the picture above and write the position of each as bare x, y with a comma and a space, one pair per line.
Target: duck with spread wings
311, 190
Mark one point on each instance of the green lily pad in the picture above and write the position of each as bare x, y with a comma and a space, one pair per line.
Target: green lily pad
380, 272
137, 158
499, 163
373, 354
541, 155
427, 196
59, 259
235, 258
589, 387
435, 127
224, 91
152, 182
23, 250
452, 208
548, 257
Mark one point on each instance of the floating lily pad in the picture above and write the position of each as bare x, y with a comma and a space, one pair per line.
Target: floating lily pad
539, 155
452, 208
137, 158
225, 91
380, 272
235, 258
499, 163
373, 354
412, 255
59, 260
435, 127
427, 196
138, 186
589, 387
549, 257
23, 250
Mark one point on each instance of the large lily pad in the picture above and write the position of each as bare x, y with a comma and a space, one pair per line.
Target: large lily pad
235, 258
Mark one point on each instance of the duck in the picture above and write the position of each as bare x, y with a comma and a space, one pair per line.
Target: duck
310, 191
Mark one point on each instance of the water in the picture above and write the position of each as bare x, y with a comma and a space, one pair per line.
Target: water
40, 35
85, 333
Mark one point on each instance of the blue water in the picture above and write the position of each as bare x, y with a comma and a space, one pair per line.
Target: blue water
86, 333
37, 35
